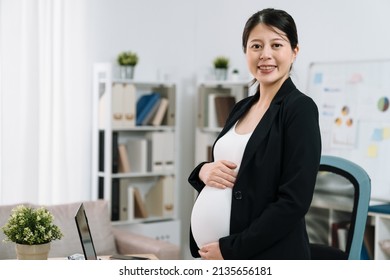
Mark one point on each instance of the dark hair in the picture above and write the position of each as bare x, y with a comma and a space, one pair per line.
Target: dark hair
273, 18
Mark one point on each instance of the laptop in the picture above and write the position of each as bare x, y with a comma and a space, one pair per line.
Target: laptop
87, 242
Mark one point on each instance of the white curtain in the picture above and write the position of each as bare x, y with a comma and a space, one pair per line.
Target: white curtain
45, 102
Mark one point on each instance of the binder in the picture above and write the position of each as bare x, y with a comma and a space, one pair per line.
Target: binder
168, 151
156, 151
129, 105
170, 117
159, 200
137, 153
126, 201
123, 106
117, 115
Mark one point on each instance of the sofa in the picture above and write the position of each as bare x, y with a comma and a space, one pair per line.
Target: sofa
107, 239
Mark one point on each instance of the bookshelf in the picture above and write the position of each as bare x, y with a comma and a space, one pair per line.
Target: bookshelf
208, 123
133, 159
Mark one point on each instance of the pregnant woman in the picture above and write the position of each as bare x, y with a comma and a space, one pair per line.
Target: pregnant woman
254, 194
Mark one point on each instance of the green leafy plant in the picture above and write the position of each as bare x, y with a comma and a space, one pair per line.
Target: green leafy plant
221, 62
127, 58
31, 226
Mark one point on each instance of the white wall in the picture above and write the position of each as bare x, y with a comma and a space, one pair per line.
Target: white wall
179, 39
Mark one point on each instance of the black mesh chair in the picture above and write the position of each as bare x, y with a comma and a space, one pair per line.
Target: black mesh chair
360, 198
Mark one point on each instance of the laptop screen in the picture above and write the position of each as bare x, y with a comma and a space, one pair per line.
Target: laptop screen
85, 234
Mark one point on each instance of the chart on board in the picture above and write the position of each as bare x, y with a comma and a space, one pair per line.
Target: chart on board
353, 103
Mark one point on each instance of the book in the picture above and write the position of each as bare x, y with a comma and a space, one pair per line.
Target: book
115, 200
124, 164
139, 205
159, 200
223, 107
115, 152
101, 188
151, 113
161, 112
144, 104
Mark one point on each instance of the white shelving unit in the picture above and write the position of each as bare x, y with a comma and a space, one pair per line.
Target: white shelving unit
206, 129
111, 184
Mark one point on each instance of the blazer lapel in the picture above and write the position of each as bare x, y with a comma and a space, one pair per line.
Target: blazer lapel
265, 124
259, 134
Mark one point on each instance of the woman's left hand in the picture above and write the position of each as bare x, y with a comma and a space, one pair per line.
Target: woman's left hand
211, 251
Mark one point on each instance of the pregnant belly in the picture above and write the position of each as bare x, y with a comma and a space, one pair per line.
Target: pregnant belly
210, 218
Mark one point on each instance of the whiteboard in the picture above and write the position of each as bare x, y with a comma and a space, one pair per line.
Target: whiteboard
353, 102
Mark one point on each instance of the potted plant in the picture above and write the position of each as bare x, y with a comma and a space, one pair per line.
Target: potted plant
127, 61
32, 229
221, 64
235, 74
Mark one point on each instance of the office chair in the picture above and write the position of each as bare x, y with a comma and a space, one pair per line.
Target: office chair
361, 197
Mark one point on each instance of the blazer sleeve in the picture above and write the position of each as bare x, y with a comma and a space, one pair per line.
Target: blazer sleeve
194, 180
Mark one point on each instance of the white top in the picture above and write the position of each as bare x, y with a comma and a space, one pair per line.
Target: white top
210, 218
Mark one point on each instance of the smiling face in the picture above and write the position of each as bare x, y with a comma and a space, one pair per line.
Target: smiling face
269, 55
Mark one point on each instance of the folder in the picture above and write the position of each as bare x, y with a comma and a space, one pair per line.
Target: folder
169, 151
159, 200
171, 111
129, 106
137, 151
126, 201
117, 115
156, 149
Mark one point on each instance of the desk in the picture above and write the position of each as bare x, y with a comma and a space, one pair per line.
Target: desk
107, 257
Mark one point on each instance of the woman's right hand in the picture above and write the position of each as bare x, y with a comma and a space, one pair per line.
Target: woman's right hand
219, 174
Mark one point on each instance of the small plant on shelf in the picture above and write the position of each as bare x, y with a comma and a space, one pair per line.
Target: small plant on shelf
127, 61
221, 62
128, 58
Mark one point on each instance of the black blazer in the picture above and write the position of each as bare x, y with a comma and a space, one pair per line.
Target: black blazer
275, 183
